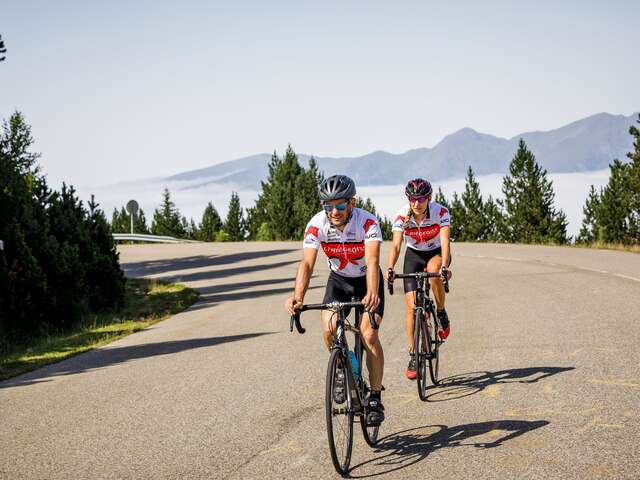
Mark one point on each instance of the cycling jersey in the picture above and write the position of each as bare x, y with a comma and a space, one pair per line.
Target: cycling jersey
426, 235
344, 249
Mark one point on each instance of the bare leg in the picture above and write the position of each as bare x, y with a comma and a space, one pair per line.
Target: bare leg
409, 299
437, 285
375, 355
328, 328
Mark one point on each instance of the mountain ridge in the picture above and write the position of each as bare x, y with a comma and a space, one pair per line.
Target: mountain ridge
587, 144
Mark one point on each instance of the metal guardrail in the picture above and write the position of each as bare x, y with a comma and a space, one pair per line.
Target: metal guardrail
139, 237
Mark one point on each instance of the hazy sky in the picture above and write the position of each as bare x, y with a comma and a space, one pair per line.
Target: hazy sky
121, 90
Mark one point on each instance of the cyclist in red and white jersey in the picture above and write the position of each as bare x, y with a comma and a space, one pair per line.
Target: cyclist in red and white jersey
424, 225
350, 238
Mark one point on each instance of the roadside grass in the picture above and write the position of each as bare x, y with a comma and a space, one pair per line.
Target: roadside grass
146, 302
610, 246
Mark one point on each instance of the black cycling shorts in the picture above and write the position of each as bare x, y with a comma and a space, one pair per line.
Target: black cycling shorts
416, 261
342, 289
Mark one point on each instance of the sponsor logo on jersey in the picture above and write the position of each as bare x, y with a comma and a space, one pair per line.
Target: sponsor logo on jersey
443, 212
311, 231
368, 224
345, 253
424, 234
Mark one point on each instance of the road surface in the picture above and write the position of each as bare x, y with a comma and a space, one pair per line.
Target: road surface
542, 377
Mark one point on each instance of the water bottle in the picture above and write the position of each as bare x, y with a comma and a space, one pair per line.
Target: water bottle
355, 366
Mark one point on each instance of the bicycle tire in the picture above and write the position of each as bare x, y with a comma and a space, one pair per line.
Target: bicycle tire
422, 351
370, 432
339, 416
434, 342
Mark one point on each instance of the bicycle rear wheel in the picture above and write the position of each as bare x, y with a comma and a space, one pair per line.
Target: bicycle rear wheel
370, 432
434, 342
339, 414
421, 347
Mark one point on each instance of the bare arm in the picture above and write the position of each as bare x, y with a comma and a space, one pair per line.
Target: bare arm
305, 269
394, 253
444, 242
372, 259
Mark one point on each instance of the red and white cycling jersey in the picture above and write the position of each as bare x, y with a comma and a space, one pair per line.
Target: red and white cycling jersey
426, 235
344, 249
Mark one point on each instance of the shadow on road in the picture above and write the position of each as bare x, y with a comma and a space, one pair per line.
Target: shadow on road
408, 447
465, 384
106, 357
211, 296
167, 265
219, 274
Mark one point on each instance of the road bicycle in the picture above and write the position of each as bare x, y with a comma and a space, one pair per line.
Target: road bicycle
426, 342
343, 403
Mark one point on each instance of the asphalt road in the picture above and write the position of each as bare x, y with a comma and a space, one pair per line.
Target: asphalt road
542, 377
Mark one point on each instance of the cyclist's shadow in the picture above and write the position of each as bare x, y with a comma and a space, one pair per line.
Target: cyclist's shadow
408, 447
465, 384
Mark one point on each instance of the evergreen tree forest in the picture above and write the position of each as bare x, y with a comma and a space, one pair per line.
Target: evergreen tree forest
526, 212
612, 215
58, 260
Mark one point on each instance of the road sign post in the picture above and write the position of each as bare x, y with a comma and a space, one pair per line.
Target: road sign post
132, 208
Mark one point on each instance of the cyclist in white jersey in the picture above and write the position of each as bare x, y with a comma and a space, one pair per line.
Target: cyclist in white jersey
350, 238
424, 225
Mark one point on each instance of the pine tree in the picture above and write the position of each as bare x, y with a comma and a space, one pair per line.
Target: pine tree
58, 258
140, 223
614, 209
634, 186
306, 203
366, 205
441, 199
167, 220
234, 224
494, 219
121, 222
458, 219
529, 202
386, 225
257, 223
588, 231
289, 198
473, 225
280, 195
210, 224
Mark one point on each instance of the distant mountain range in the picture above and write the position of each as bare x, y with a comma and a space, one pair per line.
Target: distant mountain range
585, 145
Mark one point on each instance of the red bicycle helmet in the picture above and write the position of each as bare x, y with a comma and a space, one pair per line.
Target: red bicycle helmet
418, 187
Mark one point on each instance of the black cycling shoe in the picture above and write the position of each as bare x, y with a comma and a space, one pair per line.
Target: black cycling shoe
443, 318
339, 392
410, 372
376, 411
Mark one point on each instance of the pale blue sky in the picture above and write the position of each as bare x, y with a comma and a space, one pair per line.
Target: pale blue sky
121, 90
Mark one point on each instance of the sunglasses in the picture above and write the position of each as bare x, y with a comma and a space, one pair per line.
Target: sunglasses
420, 199
341, 207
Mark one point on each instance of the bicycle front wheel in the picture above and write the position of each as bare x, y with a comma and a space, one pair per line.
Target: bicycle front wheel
339, 412
434, 342
422, 352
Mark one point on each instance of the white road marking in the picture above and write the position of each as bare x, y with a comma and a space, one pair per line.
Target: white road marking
552, 264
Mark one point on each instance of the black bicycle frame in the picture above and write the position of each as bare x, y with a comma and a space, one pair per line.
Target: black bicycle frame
358, 393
